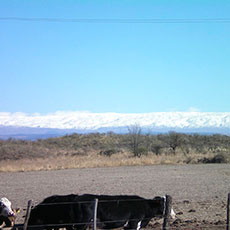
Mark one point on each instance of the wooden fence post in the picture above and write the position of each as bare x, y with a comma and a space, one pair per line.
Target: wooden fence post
95, 215
228, 204
168, 207
29, 206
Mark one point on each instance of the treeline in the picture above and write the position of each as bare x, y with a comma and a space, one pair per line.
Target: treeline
134, 142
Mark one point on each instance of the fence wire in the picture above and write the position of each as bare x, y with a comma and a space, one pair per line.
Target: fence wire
179, 226
92, 201
182, 227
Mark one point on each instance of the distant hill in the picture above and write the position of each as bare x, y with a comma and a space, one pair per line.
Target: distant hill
28, 133
23, 126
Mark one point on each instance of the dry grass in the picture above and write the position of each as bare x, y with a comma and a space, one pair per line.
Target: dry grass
110, 150
93, 160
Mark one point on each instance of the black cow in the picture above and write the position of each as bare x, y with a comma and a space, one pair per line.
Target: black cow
61, 211
76, 211
129, 212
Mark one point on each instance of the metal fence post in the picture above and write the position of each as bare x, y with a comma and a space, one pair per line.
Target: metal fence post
29, 206
95, 215
228, 203
168, 207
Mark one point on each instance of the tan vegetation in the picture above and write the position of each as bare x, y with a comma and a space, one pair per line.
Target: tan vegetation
106, 150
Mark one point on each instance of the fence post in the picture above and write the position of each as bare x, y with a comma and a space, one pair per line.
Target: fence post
95, 215
228, 203
29, 206
168, 207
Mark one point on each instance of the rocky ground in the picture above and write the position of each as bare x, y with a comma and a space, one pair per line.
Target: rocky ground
199, 192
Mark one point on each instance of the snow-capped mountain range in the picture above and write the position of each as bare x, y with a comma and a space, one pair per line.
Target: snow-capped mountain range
82, 122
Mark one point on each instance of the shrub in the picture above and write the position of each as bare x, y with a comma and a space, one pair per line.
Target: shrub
219, 159
108, 153
156, 148
140, 151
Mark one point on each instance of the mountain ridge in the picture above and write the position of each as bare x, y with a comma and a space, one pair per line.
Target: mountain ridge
61, 123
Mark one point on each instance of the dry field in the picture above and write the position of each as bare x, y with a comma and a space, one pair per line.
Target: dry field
94, 160
199, 191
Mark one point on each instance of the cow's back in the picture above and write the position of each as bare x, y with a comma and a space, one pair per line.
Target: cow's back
60, 211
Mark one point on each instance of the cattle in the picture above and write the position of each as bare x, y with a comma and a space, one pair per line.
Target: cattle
61, 211
76, 212
7, 214
129, 212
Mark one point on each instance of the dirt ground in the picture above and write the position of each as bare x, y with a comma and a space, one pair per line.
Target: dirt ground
199, 192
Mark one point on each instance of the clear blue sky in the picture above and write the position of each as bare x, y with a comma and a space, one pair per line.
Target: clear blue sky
114, 67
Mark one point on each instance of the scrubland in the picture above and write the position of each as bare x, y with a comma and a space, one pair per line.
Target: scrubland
105, 150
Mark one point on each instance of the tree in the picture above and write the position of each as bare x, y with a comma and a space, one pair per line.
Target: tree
174, 141
156, 147
136, 140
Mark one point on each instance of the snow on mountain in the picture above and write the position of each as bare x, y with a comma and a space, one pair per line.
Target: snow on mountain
95, 121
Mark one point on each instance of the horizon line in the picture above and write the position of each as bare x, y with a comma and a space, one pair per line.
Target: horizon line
90, 112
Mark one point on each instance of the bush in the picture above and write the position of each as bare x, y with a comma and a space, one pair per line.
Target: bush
218, 159
134, 142
156, 148
140, 151
108, 153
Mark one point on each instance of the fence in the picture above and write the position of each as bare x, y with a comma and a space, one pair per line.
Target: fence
166, 218
228, 204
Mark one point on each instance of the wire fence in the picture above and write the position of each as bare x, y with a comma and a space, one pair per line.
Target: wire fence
190, 227
90, 202
157, 226
97, 222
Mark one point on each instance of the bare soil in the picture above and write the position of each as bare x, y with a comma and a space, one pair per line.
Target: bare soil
199, 192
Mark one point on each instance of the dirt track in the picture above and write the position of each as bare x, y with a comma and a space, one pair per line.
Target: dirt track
199, 191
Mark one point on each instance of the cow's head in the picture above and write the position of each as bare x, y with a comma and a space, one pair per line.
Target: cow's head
7, 214
161, 211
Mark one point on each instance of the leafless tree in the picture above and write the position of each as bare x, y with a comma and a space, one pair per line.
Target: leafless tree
135, 139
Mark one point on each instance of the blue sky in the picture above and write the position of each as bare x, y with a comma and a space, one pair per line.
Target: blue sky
114, 67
